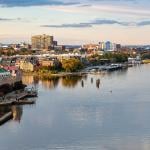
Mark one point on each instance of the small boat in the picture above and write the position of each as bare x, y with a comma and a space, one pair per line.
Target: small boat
31, 92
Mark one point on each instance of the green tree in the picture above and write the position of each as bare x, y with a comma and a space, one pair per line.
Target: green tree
146, 56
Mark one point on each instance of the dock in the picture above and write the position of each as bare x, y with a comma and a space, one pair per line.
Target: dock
17, 102
18, 98
108, 68
6, 117
23, 102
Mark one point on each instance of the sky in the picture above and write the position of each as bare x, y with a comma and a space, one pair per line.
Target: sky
76, 22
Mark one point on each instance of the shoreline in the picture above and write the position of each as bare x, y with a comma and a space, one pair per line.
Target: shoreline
84, 71
49, 75
6, 117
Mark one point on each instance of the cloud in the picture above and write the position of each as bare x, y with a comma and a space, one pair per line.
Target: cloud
11, 19
98, 22
74, 25
106, 22
6, 19
144, 23
88, 24
124, 10
25, 3
14, 20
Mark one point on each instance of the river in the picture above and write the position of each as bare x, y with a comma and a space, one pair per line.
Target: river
94, 112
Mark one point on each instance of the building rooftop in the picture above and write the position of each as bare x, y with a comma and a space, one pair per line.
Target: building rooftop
3, 70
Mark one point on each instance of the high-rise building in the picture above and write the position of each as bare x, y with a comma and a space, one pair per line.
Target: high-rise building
102, 46
118, 47
108, 45
42, 42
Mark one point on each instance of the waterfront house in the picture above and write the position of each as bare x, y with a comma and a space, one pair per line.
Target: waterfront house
17, 63
5, 76
27, 66
8, 82
8, 61
15, 71
50, 62
4, 73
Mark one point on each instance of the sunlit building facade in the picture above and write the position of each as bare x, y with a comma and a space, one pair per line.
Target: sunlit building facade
42, 42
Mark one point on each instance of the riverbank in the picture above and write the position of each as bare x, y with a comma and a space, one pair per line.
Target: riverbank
7, 88
146, 61
48, 75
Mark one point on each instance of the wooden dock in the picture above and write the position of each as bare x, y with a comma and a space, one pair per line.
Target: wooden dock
6, 117
17, 102
18, 98
24, 102
6, 103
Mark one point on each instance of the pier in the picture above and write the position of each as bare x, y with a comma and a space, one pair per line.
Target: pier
6, 117
17, 102
111, 67
18, 97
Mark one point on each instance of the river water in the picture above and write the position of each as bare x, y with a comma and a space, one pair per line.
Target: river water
81, 113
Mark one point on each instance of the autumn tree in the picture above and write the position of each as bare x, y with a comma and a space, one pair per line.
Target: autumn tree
71, 65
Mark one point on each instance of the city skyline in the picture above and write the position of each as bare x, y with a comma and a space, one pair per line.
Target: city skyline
83, 21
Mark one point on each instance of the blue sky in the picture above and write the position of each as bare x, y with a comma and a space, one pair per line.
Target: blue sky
82, 21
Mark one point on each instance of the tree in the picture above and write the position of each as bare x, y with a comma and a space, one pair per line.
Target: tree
146, 56
71, 65
109, 57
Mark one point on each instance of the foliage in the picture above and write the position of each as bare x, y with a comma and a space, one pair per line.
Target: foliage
109, 57
11, 52
71, 65
24, 51
146, 56
71, 81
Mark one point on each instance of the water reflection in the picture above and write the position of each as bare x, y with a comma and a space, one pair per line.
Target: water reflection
17, 112
82, 114
85, 118
98, 83
4, 110
51, 83
71, 81
67, 81
121, 72
82, 83
28, 79
91, 80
